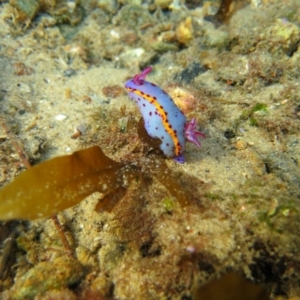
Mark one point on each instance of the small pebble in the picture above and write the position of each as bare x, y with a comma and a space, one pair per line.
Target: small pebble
60, 117
240, 145
115, 34
77, 133
24, 88
3, 137
184, 32
69, 72
164, 4
21, 69
113, 91
68, 93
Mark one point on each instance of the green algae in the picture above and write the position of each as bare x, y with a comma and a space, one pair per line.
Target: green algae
249, 114
164, 47
168, 204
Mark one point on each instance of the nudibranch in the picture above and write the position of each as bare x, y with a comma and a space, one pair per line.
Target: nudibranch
163, 119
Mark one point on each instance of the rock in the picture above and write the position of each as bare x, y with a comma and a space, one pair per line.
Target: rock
164, 4
46, 276
283, 36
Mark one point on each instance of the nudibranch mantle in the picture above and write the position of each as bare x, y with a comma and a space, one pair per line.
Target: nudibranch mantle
163, 119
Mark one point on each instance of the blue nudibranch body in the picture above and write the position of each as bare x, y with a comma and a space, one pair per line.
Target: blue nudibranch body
163, 119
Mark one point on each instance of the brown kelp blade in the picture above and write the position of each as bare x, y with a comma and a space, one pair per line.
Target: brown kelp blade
60, 183
109, 201
145, 137
231, 286
158, 168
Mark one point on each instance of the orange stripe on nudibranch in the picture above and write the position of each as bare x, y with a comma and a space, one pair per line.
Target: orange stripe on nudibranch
163, 114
